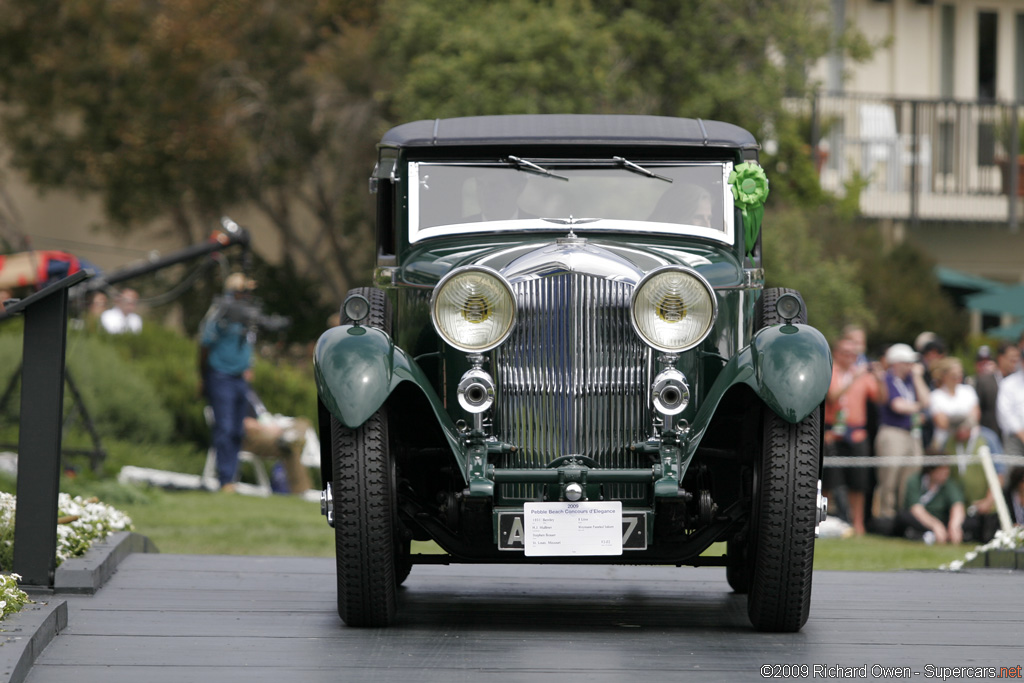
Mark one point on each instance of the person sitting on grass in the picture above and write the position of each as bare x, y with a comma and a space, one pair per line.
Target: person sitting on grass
934, 508
276, 437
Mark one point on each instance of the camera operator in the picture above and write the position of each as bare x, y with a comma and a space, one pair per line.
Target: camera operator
227, 334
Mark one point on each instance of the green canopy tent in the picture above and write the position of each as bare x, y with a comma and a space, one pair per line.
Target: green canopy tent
965, 282
1007, 301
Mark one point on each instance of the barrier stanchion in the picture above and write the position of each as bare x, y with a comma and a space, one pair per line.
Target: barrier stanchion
39, 436
993, 485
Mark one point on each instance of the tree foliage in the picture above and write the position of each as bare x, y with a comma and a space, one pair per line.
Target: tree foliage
846, 275
466, 58
733, 60
182, 110
900, 284
795, 256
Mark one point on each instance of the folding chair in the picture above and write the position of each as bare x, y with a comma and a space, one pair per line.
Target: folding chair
210, 481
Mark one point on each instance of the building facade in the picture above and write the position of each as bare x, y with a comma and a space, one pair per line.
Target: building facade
930, 130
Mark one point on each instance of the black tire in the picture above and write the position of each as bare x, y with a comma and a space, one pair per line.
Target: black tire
403, 565
364, 522
777, 560
785, 512
737, 566
380, 317
738, 562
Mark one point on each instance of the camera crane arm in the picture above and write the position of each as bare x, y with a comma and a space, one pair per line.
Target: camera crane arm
232, 235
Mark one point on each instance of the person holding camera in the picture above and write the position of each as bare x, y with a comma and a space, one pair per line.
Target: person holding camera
226, 344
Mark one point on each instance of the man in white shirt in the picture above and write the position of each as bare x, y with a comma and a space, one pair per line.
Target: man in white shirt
122, 317
1010, 410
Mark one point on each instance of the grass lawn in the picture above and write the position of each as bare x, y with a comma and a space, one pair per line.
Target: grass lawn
202, 523
879, 553
214, 523
199, 522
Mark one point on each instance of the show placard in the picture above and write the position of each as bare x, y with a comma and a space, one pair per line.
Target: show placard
568, 529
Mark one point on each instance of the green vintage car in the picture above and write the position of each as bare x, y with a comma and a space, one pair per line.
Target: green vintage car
568, 356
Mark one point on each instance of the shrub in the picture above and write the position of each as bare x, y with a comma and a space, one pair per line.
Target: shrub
285, 389
169, 361
144, 388
120, 400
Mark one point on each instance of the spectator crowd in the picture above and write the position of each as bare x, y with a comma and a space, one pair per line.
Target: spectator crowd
918, 400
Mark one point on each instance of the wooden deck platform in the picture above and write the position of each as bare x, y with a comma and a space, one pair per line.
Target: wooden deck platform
215, 618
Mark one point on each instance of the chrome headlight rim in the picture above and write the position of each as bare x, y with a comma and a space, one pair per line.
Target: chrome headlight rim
690, 272
451, 276
356, 308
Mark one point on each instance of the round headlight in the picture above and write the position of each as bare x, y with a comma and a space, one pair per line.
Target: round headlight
473, 309
788, 307
673, 309
356, 308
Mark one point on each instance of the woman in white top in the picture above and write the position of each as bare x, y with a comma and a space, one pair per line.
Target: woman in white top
953, 403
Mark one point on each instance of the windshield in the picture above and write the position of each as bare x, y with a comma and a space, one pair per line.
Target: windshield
531, 194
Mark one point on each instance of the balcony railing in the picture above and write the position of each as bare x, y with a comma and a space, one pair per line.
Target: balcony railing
920, 160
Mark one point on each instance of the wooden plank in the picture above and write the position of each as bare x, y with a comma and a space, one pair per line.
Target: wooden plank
164, 618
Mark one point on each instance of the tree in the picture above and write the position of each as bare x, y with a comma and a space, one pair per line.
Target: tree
180, 110
796, 256
732, 60
466, 58
901, 284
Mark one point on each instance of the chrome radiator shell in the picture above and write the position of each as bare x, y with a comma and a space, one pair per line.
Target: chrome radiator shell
573, 378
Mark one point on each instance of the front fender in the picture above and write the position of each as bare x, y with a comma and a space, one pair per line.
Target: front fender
789, 367
792, 369
357, 368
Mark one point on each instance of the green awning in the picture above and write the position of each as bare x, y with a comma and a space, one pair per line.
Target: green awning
955, 279
1004, 301
1008, 332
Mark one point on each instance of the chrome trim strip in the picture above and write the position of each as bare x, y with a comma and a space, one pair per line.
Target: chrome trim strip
725, 235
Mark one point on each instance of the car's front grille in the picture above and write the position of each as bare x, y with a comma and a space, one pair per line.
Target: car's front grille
573, 377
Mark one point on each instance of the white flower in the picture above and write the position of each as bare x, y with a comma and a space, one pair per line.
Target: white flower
91, 521
1003, 540
13, 597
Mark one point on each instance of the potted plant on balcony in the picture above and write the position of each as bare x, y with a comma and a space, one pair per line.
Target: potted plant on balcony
1005, 136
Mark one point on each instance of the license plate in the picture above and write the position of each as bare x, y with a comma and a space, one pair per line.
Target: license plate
512, 530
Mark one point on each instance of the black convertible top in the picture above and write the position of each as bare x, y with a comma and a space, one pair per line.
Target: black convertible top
569, 129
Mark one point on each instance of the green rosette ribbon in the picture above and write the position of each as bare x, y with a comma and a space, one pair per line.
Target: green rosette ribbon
749, 186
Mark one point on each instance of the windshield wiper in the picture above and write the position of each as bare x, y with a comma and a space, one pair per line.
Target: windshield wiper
524, 165
636, 168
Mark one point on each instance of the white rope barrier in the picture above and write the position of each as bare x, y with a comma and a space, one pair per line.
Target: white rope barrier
983, 456
920, 460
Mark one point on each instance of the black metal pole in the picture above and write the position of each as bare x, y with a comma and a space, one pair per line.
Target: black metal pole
1014, 176
223, 241
915, 153
39, 438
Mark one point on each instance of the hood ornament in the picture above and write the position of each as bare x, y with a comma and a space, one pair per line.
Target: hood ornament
571, 238
571, 220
